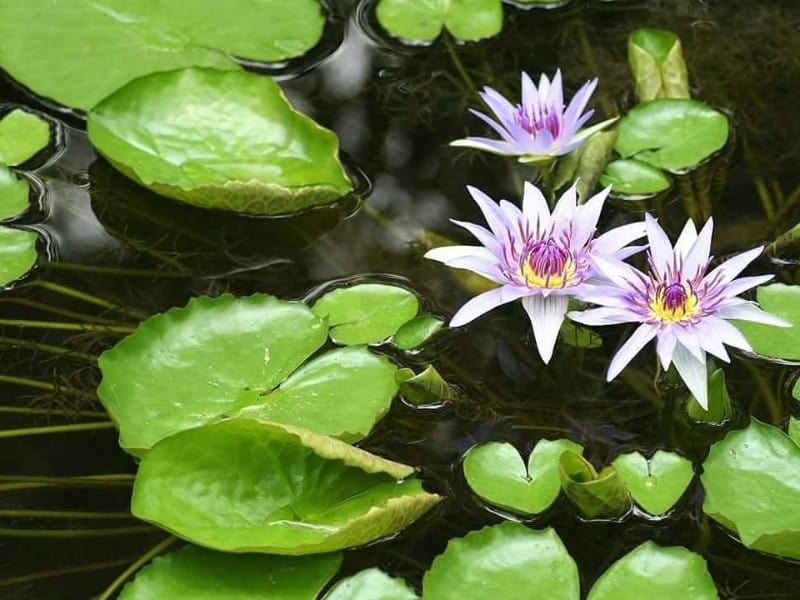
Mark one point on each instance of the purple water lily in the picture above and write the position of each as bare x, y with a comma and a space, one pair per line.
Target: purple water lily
539, 128
679, 303
538, 257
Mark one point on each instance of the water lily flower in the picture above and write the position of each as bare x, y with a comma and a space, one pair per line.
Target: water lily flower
539, 128
536, 256
679, 303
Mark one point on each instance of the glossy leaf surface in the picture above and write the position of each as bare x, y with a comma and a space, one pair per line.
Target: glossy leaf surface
423, 20
657, 483
767, 340
14, 192
634, 177
22, 135
371, 584
17, 253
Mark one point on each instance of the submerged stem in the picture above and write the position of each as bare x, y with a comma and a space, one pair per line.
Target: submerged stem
49, 348
142, 560
62, 514
10, 483
25, 431
88, 298
32, 577
462, 72
60, 325
45, 385
68, 534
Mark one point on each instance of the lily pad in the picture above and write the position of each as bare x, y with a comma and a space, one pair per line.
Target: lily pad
425, 388
366, 313
672, 133
121, 40
241, 485
22, 135
634, 177
656, 484
496, 473
17, 253
793, 430
13, 194
752, 484
596, 495
371, 584
416, 332
423, 20
202, 574
656, 573
264, 157
720, 408
505, 561
777, 342
656, 59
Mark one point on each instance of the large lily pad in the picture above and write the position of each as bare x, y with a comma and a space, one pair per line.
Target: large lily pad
657, 483
202, 574
752, 484
505, 561
242, 485
777, 342
423, 20
263, 157
77, 53
22, 135
672, 133
371, 584
496, 473
13, 194
655, 573
17, 253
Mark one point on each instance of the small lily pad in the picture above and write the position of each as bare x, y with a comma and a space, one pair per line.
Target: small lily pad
416, 332
656, 573
672, 133
425, 388
13, 194
634, 178
596, 495
17, 253
423, 20
655, 484
202, 574
778, 342
22, 135
371, 584
241, 485
264, 157
496, 473
366, 313
656, 59
752, 484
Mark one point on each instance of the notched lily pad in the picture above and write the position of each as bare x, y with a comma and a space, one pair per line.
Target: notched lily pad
422, 21
17, 253
264, 157
242, 485
777, 342
656, 484
22, 136
371, 584
14, 192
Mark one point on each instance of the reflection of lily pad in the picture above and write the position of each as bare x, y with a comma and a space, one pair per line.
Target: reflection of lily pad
423, 20
17, 253
22, 135
242, 485
13, 194
77, 53
752, 484
201, 574
262, 158
634, 177
371, 584
656, 484
767, 340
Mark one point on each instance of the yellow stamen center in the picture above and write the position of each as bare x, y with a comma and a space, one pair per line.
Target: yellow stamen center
674, 302
548, 265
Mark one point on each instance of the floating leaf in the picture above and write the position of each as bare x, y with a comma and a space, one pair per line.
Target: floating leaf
793, 431
423, 20
202, 574
121, 40
752, 484
671, 133
505, 561
13, 194
371, 584
17, 253
634, 177
496, 473
656, 59
427, 387
656, 573
264, 157
242, 485
595, 495
778, 342
720, 407
416, 332
366, 313
22, 135
656, 484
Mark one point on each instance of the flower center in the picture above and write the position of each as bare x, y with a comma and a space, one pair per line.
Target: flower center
674, 302
535, 121
548, 265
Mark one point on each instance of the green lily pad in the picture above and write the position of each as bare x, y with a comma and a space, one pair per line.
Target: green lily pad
656, 59
264, 157
202, 574
505, 561
241, 485
793, 430
752, 484
371, 584
121, 40
13, 194
17, 253
22, 135
656, 573
634, 177
655, 484
427, 387
720, 407
366, 313
496, 473
423, 20
416, 332
777, 342
671, 133
595, 495
579, 337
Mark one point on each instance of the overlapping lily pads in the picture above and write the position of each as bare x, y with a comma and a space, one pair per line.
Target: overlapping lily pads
263, 157
422, 21
657, 483
777, 342
242, 485
17, 253
371, 584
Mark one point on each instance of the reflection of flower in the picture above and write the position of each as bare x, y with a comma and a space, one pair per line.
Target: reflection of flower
679, 304
538, 128
538, 257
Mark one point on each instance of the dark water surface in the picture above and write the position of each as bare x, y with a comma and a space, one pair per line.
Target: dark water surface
395, 109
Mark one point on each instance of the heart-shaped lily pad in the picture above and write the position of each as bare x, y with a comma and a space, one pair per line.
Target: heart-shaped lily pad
596, 495
121, 40
22, 135
202, 574
777, 342
13, 194
264, 157
17, 253
752, 484
371, 584
656, 484
634, 177
496, 473
242, 485
423, 20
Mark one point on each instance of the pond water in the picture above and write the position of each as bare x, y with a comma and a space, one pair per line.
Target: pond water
395, 109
